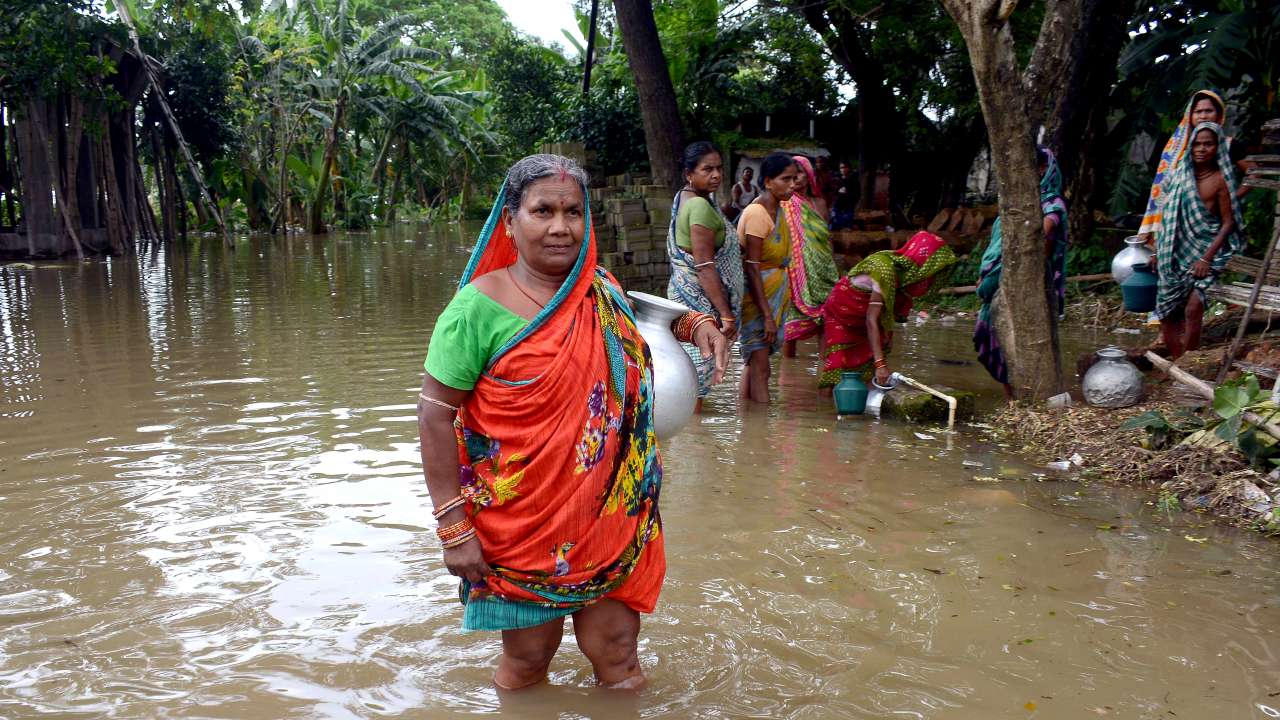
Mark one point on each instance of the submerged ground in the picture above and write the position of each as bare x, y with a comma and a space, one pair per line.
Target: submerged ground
211, 506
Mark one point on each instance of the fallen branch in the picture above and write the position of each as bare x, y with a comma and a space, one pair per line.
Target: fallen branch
1205, 390
966, 289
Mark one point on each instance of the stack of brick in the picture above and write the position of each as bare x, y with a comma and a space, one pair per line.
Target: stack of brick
631, 233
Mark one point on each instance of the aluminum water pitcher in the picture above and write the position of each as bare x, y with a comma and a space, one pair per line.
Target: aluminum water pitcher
675, 381
1135, 251
1113, 381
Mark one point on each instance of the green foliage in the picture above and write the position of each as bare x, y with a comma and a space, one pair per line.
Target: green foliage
198, 77
965, 272
611, 127
1259, 219
1088, 259
1177, 48
51, 46
531, 85
1231, 401
1161, 431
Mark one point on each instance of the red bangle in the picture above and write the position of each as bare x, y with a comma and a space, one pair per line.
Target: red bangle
454, 531
457, 501
461, 539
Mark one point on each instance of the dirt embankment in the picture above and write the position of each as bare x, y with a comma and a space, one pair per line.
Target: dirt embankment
1217, 481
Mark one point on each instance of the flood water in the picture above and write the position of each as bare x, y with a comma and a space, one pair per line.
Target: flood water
211, 506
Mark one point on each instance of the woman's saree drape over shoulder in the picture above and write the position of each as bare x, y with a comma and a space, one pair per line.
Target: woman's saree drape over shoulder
558, 456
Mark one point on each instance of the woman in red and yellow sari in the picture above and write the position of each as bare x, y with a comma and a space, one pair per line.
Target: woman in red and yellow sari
536, 422
858, 317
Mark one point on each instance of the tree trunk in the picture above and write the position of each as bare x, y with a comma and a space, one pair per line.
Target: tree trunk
663, 131
55, 172
36, 183
280, 218
315, 214
1031, 334
164, 184
117, 226
87, 185
157, 92
69, 140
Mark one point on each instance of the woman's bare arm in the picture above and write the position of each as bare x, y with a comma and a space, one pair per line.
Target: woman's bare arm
755, 285
439, 449
703, 240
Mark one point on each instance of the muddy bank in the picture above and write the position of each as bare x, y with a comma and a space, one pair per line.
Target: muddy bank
1197, 474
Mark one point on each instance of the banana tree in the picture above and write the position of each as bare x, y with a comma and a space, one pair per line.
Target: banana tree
351, 67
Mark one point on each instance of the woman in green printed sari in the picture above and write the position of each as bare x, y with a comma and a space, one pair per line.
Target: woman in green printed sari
812, 270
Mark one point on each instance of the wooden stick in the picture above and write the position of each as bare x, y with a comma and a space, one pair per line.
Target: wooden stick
1205, 390
1258, 282
966, 289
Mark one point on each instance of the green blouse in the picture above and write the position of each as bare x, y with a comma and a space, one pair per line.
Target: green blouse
697, 211
469, 331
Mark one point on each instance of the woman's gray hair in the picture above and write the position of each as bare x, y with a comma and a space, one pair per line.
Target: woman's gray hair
533, 168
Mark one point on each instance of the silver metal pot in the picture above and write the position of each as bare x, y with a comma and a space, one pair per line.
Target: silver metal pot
1113, 381
675, 382
1135, 252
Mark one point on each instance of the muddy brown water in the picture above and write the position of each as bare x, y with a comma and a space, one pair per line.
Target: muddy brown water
211, 506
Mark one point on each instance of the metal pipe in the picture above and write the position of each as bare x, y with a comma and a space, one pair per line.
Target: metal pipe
950, 401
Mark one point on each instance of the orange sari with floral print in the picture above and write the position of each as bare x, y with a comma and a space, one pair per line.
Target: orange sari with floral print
558, 456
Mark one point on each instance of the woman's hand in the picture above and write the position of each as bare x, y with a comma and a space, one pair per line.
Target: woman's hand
770, 330
1201, 269
467, 561
1153, 261
712, 343
728, 327
883, 375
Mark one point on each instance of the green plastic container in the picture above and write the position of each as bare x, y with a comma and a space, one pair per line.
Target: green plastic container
1139, 289
850, 394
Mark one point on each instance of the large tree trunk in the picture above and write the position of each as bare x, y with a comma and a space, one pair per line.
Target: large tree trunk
1012, 115
117, 226
52, 116
663, 131
41, 224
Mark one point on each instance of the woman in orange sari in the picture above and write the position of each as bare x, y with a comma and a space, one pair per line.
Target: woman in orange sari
536, 422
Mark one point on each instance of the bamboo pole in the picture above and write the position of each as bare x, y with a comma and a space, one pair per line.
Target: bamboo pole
1259, 280
1205, 390
158, 93
966, 289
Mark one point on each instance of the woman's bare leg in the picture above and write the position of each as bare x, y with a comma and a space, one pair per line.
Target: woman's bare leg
607, 632
789, 349
1173, 331
527, 653
758, 376
1193, 316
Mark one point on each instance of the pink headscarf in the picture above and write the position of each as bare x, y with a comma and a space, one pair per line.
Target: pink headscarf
918, 250
807, 168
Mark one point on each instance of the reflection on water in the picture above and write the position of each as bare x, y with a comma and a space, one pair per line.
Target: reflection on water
211, 506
